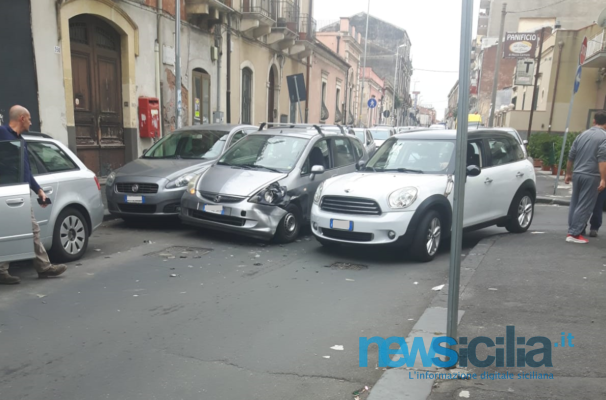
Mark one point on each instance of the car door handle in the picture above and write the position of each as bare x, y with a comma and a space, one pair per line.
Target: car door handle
488, 181
48, 190
15, 202
520, 174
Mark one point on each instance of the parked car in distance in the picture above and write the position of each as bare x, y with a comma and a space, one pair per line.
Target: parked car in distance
263, 186
404, 195
365, 137
152, 186
402, 129
380, 134
76, 208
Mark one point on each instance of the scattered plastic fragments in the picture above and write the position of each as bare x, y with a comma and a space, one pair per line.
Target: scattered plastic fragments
325, 356
361, 391
337, 347
416, 283
173, 275
494, 289
438, 288
464, 394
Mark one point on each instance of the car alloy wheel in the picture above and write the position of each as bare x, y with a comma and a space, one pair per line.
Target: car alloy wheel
290, 222
525, 211
72, 234
433, 237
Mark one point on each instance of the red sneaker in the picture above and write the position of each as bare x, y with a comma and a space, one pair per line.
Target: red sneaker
577, 239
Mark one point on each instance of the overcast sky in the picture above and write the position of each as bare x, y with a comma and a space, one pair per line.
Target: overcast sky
434, 27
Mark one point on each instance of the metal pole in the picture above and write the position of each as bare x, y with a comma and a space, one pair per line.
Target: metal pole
533, 105
364, 68
555, 88
495, 84
557, 181
178, 122
298, 100
460, 171
395, 86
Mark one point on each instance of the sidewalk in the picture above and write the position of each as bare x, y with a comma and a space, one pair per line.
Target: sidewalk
545, 186
543, 287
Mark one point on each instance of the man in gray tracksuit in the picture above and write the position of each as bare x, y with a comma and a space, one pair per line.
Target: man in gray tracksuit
588, 158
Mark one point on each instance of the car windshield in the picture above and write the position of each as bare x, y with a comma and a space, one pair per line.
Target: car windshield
414, 156
360, 135
380, 134
190, 144
272, 153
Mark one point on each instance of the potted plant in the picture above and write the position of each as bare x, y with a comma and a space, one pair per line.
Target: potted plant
534, 149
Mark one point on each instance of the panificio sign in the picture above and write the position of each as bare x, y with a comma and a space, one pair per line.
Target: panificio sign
520, 45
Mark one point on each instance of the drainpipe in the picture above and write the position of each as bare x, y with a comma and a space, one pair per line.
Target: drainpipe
344, 107
228, 94
555, 88
308, 60
158, 48
219, 46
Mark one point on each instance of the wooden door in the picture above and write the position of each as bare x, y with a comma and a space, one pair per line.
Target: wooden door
271, 94
97, 85
201, 95
247, 77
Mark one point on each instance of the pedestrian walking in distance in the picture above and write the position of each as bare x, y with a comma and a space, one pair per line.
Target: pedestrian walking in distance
19, 122
586, 170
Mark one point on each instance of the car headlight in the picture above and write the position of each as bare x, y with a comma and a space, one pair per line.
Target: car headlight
403, 198
184, 179
111, 178
271, 195
193, 183
318, 194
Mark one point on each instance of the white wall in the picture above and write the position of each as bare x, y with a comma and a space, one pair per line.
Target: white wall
49, 70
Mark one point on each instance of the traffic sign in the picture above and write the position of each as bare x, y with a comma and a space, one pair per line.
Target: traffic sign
386, 113
577, 79
372, 103
583, 54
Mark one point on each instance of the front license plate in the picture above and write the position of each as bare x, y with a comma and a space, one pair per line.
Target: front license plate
134, 199
342, 225
213, 209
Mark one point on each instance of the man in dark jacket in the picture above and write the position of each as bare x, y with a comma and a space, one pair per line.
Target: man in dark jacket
19, 122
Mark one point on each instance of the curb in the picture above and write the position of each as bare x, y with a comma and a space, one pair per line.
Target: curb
552, 201
398, 383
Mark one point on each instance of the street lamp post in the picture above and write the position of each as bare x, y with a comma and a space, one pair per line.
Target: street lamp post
395, 83
364, 69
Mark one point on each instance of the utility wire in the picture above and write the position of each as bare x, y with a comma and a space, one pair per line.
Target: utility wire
537, 9
434, 70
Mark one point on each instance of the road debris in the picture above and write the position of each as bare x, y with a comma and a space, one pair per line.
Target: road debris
464, 393
173, 275
41, 296
337, 347
416, 283
325, 356
494, 289
257, 264
438, 288
350, 280
135, 295
358, 392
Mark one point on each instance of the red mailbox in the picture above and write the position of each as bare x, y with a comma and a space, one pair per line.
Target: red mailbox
149, 117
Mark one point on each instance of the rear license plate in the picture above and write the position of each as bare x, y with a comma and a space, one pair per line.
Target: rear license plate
213, 209
341, 225
134, 199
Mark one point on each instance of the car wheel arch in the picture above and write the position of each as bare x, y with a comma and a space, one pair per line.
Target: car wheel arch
436, 202
79, 207
529, 186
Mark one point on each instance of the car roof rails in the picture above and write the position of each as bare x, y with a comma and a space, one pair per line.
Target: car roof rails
38, 134
291, 126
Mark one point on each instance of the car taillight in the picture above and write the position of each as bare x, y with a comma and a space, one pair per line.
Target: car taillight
98, 184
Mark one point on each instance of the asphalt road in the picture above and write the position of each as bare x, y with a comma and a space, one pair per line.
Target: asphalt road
240, 320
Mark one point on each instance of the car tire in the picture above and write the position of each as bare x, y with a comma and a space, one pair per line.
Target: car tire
70, 236
290, 225
521, 213
427, 238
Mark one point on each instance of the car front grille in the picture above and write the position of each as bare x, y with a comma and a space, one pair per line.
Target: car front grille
348, 236
350, 205
222, 219
142, 188
220, 198
138, 208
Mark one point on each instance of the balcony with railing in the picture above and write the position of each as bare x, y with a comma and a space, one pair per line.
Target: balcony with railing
307, 28
259, 15
596, 51
210, 9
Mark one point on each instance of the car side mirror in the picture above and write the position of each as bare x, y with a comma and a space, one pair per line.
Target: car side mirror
360, 165
525, 142
473, 170
316, 170
145, 151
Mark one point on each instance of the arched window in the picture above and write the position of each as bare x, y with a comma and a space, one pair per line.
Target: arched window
201, 97
247, 79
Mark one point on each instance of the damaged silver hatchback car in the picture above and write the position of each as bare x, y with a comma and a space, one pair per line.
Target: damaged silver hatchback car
264, 185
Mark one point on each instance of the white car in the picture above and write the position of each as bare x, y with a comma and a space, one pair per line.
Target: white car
404, 194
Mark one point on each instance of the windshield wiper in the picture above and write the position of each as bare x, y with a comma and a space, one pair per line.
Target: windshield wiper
415, 171
370, 169
252, 166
